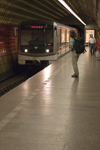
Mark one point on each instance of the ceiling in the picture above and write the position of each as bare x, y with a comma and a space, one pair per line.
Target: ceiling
15, 11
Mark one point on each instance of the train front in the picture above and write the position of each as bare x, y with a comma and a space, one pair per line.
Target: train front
35, 44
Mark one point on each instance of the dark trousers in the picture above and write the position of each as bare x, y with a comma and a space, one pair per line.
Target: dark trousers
92, 49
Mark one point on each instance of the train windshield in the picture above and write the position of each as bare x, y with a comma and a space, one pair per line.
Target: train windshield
37, 35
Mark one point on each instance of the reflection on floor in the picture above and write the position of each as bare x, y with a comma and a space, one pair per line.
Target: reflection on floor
52, 110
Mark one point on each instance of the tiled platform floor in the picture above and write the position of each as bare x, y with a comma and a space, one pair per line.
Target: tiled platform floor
52, 111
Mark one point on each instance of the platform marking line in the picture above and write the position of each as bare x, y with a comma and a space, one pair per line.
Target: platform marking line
24, 102
7, 119
11, 114
15, 111
33, 94
18, 108
37, 90
4, 122
29, 97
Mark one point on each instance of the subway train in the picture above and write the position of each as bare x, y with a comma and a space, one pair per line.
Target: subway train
42, 42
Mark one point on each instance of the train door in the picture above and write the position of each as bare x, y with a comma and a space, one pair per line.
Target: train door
55, 38
68, 39
62, 51
58, 41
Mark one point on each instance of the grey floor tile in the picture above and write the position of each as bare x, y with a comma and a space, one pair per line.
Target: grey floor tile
52, 111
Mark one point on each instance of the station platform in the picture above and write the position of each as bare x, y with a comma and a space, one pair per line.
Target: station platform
52, 110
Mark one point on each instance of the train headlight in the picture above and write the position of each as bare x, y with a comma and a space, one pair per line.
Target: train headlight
47, 50
25, 50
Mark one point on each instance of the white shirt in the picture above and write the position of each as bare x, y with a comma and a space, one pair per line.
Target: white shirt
92, 40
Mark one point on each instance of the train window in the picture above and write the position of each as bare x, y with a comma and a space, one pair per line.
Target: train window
26, 36
68, 36
63, 36
37, 36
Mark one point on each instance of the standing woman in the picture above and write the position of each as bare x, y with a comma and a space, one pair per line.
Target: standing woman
91, 43
98, 46
74, 55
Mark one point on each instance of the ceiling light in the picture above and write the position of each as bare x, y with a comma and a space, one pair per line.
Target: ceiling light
67, 7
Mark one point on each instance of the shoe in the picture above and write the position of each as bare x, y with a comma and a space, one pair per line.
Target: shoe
98, 59
74, 76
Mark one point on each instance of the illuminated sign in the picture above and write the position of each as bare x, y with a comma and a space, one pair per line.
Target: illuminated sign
37, 27
49, 44
88, 32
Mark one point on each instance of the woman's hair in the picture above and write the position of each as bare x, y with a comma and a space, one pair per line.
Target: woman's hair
72, 33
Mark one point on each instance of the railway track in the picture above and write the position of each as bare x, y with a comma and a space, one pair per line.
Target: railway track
14, 81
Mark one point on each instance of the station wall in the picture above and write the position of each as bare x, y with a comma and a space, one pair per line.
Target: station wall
8, 48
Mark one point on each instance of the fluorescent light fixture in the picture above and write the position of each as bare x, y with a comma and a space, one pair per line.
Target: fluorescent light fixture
67, 7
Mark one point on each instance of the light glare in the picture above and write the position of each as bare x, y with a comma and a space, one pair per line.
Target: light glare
47, 50
26, 50
67, 7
